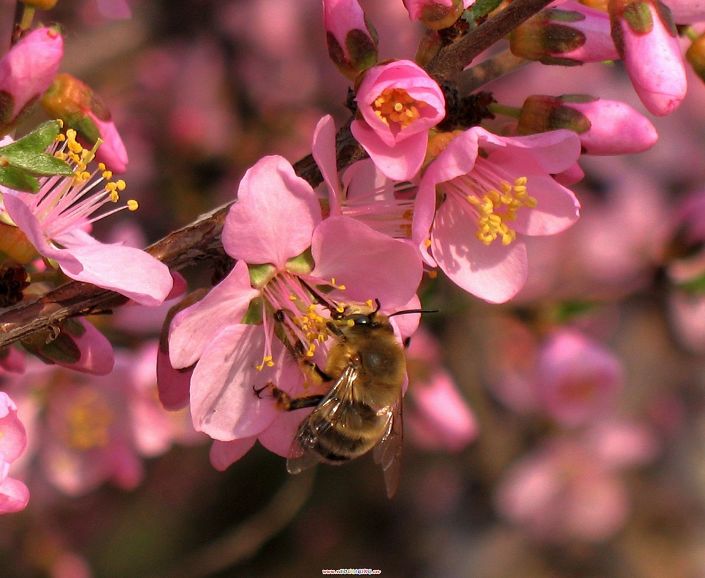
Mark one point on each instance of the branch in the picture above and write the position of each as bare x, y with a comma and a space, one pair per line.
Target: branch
200, 240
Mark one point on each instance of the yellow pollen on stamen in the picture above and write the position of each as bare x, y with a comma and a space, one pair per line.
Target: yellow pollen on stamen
495, 209
267, 361
132, 205
88, 421
427, 243
397, 106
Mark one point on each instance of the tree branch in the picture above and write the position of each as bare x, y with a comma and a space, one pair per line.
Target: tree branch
200, 240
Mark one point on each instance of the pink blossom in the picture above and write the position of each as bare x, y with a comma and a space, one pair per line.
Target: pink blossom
568, 33
27, 70
562, 492
622, 443
474, 232
646, 38
352, 43
14, 495
55, 218
577, 378
687, 11
11, 360
605, 127
232, 357
362, 192
398, 103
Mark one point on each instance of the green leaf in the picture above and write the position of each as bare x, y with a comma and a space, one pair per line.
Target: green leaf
42, 164
36, 141
695, 286
18, 179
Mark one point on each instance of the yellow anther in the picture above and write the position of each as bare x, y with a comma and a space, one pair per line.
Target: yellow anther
120, 185
427, 243
396, 105
132, 205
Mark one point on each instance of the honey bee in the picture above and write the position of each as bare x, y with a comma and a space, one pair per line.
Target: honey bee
363, 409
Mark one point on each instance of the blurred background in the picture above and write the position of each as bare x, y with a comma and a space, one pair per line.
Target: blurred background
561, 435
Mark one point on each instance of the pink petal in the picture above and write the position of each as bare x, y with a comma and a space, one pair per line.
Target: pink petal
96, 351
126, 270
324, 153
274, 216
224, 454
193, 328
279, 437
400, 161
13, 437
223, 402
172, 384
14, 496
556, 209
378, 267
492, 272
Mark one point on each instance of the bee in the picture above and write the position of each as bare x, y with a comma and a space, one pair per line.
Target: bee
362, 411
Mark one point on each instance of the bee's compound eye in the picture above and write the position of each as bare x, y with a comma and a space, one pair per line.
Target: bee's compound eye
362, 320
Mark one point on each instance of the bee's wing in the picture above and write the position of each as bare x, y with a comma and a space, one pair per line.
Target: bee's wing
387, 453
303, 453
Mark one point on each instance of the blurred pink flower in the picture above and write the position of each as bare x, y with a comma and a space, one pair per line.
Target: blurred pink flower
398, 103
492, 188
14, 495
646, 38
27, 70
55, 219
577, 379
562, 492
438, 418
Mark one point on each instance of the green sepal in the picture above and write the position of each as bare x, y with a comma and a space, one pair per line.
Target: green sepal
28, 154
18, 179
482, 8
253, 315
694, 286
260, 275
36, 141
638, 17
568, 310
301, 264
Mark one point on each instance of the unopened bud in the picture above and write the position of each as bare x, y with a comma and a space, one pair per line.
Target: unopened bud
646, 38
568, 34
605, 127
696, 56
352, 41
436, 14
13, 281
15, 244
83, 110
26, 71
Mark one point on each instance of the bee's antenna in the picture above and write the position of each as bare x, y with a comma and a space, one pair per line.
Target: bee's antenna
319, 297
407, 311
379, 305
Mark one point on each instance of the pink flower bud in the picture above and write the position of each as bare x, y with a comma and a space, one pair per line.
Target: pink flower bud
687, 11
27, 71
352, 41
84, 111
567, 34
605, 127
646, 38
436, 14
14, 495
398, 103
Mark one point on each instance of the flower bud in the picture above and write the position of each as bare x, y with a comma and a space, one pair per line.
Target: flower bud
352, 41
83, 110
26, 71
646, 38
436, 14
605, 127
40, 4
696, 56
687, 11
568, 34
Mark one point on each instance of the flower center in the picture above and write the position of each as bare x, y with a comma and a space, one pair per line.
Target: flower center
395, 107
66, 203
495, 197
88, 421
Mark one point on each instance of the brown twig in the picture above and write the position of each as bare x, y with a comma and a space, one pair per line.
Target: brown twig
200, 240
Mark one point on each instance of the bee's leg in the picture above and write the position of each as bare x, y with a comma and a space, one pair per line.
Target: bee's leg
284, 401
